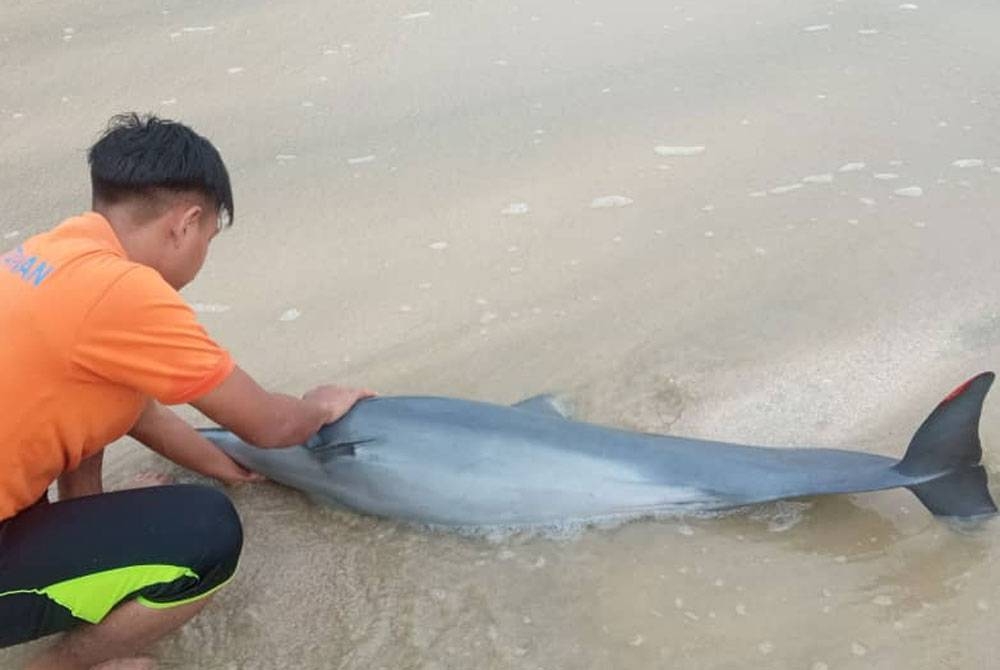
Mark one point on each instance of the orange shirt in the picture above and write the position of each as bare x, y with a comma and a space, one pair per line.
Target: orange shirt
86, 338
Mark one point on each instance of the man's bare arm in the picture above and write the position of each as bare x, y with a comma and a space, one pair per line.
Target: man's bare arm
160, 429
270, 420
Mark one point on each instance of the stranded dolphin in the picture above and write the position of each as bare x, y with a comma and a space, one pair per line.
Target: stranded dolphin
444, 461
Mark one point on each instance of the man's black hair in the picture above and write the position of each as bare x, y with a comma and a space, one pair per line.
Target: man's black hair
137, 155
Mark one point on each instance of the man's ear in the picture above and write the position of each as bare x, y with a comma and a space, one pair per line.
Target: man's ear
186, 224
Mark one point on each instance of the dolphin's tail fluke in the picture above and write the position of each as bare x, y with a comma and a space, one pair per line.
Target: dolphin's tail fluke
945, 453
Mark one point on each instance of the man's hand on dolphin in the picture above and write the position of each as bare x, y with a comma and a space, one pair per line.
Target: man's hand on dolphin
337, 400
240, 475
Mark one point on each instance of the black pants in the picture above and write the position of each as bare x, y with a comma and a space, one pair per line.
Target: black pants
70, 562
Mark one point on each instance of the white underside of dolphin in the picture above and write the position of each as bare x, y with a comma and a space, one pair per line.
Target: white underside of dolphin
452, 462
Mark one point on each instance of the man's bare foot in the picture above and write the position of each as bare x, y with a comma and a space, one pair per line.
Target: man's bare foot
149, 478
137, 663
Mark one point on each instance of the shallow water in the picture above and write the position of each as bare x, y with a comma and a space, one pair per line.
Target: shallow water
676, 214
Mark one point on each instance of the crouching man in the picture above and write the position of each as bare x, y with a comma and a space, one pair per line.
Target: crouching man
95, 343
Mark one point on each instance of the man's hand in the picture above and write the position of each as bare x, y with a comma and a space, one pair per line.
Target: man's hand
238, 474
336, 401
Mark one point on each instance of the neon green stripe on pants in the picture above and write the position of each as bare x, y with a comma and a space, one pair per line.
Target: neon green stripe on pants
91, 597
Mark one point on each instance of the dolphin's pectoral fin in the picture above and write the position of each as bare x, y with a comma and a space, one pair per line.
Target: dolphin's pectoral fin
546, 404
329, 451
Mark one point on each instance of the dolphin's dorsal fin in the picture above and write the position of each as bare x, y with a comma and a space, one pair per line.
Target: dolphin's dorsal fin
546, 404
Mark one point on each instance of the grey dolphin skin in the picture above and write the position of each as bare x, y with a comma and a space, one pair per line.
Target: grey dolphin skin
449, 462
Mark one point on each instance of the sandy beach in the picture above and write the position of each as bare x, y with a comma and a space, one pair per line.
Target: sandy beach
765, 222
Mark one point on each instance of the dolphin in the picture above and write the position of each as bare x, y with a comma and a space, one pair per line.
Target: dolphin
439, 461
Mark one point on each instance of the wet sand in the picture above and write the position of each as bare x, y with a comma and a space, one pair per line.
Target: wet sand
767, 223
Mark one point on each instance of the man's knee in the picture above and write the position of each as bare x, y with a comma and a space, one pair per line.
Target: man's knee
217, 519
202, 541
217, 532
